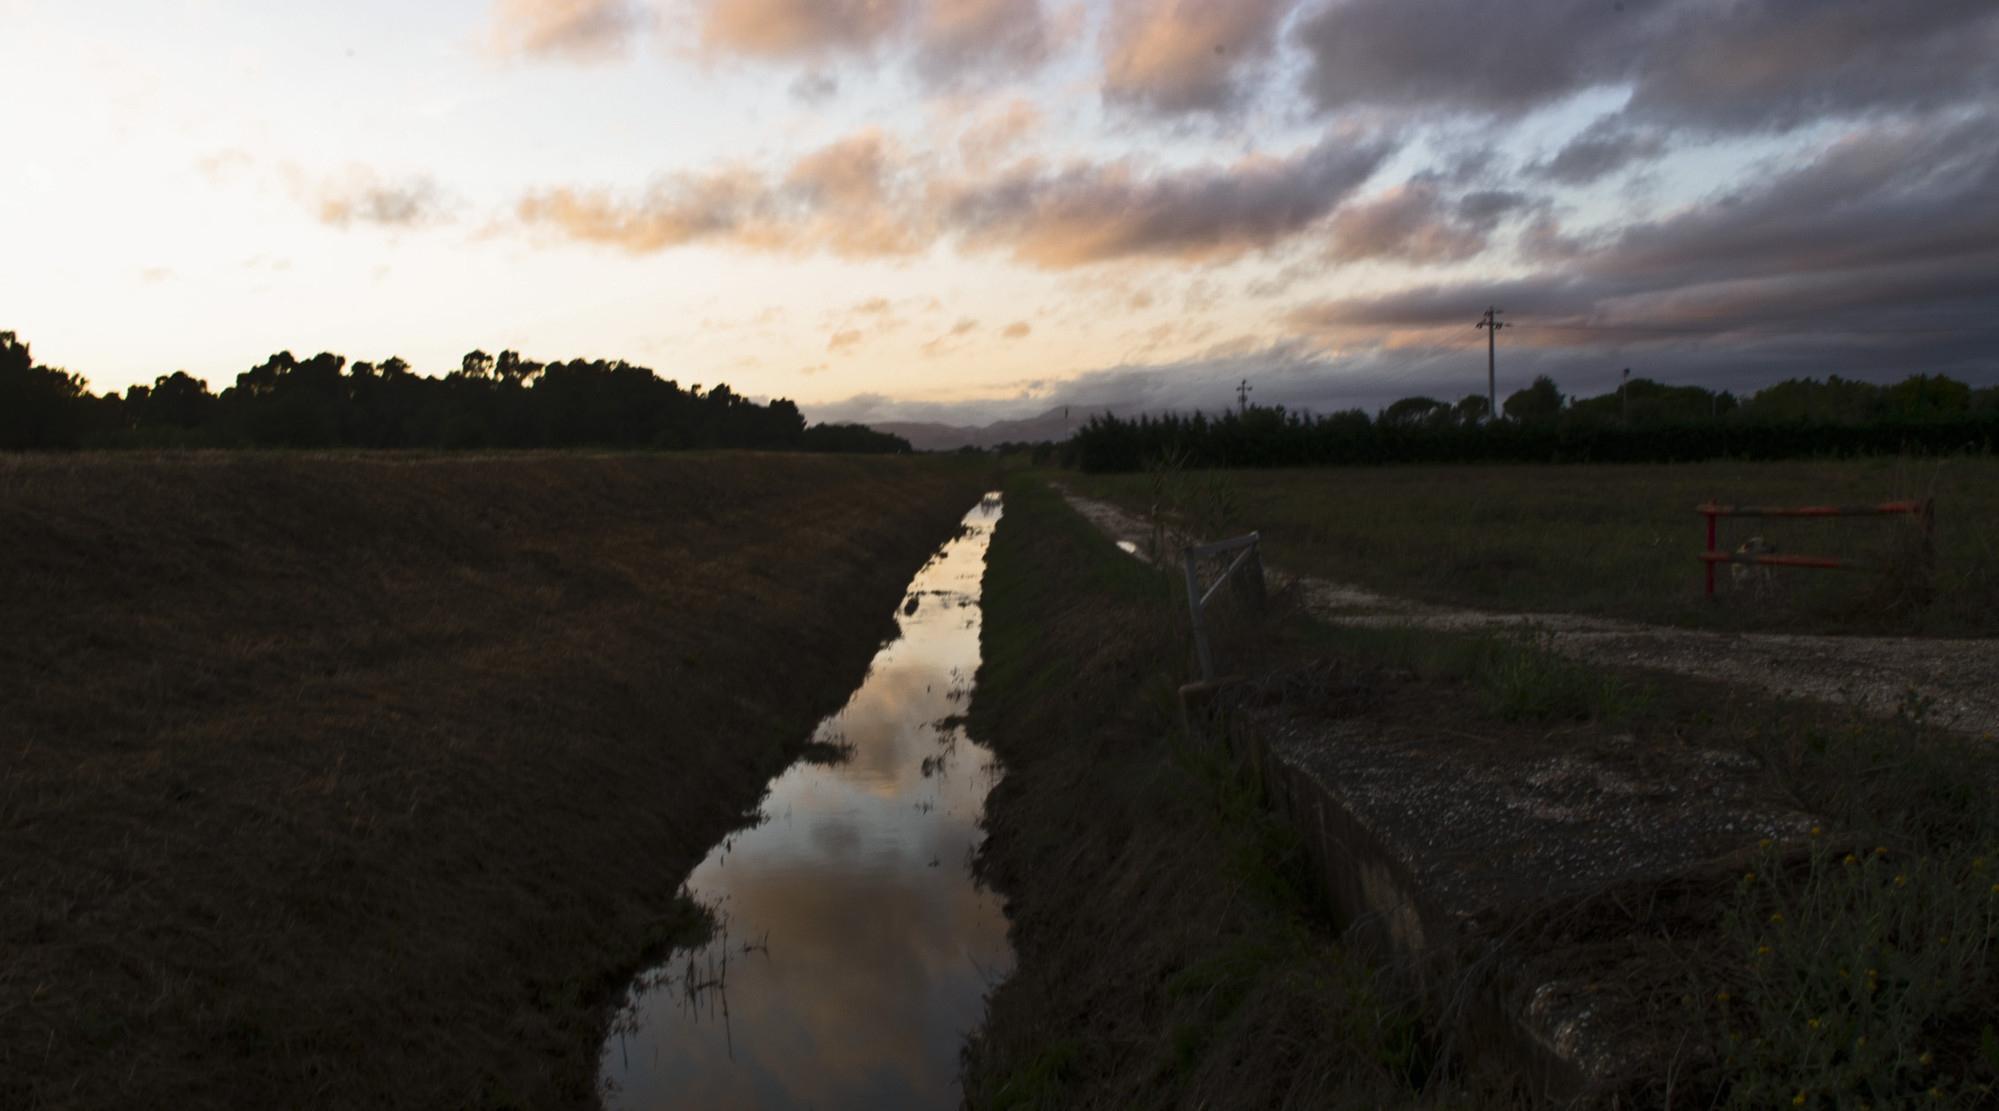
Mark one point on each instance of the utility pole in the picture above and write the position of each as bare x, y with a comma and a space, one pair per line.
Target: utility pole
1624, 394
1242, 395
1492, 324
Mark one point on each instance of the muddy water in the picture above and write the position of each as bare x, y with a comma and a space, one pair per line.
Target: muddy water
855, 950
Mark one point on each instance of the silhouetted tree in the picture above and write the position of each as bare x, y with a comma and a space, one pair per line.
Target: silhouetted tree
40, 407
1539, 401
1416, 412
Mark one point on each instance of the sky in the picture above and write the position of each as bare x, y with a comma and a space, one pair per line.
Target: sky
972, 210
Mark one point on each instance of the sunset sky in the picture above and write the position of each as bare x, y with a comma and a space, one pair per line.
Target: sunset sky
974, 209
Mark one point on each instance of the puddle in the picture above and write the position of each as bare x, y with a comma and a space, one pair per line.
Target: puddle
855, 952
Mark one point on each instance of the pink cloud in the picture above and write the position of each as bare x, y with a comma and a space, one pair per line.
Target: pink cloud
1409, 222
865, 197
1187, 55
801, 28
580, 30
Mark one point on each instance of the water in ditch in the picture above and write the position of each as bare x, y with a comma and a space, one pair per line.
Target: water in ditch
855, 950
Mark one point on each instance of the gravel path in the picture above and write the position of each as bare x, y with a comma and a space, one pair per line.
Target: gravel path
1874, 674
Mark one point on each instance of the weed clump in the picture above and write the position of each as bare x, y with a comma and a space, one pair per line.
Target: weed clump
1848, 960
1862, 970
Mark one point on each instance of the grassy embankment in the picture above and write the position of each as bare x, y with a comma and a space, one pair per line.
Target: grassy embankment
1620, 540
367, 780
1169, 950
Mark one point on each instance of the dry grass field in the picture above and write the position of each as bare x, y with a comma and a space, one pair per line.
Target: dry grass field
1616, 540
365, 780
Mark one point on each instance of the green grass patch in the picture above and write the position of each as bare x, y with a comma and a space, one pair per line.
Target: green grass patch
1520, 674
1617, 540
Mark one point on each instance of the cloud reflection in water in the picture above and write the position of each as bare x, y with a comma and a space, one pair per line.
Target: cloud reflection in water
870, 950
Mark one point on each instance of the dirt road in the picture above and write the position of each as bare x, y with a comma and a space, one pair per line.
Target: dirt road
1957, 680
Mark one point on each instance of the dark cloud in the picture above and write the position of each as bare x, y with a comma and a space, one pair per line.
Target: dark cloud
1603, 148
1099, 212
1465, 54
1412, 222
1883, 250
1787, 62
1173, 56
1745, 65
1893, 193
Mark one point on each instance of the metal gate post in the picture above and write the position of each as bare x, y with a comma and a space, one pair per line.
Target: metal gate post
1710, 547
1194, 608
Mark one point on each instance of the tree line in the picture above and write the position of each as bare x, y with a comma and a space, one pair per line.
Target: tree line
1640, 422
490, 401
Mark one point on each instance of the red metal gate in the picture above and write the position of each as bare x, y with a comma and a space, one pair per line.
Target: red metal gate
1710, 556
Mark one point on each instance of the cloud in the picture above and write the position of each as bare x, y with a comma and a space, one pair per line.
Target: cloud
1738, 66
1412, 223
1602, 149
844, 340
865, 197
1173, 56
950, 341
1094, 213
1882, 251
987, 136
802, 28
950, 42
576, 30
815, 87
961, 40
359, 194
1016, 330
842, 198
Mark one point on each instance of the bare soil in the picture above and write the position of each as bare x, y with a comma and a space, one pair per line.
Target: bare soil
368, 779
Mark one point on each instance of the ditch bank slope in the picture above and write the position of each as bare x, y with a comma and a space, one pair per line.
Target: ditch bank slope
368, 779
1169, 953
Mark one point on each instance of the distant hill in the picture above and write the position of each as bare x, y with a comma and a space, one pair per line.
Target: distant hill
929, 436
